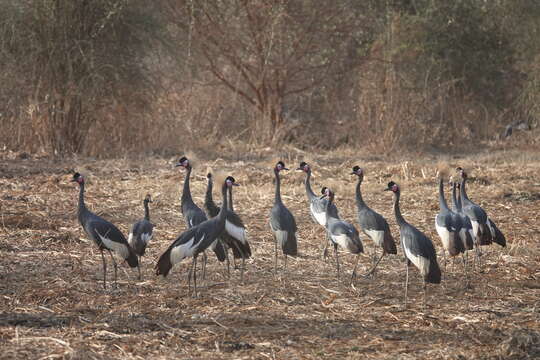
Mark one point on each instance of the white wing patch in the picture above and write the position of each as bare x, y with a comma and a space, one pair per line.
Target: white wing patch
344, 241
119, 248
237, 232
419, 261
146, 237
281, 236
376, 235
475, 228
463, 235
180, 252
444, 234
491, 228
319, 216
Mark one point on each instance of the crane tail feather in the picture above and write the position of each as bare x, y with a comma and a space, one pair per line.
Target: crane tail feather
434, 273
164, 264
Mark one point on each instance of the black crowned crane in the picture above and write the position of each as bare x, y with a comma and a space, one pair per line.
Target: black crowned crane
235, 235
448, 225
193, 214
141, 232
317, 206
466, 234
195, 240
484, 229
282, 223
417, 247
373, 224
341, 233
104, 234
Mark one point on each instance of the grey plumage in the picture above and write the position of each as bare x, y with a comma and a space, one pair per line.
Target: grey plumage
340, 232
193, 214
234, 235
477, 215
195, 240
141, 232
372, 223
104, 234
466, 233
282, 222
448, 225
417, 247
317, 206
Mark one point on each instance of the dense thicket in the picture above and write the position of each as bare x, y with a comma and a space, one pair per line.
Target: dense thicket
109, 77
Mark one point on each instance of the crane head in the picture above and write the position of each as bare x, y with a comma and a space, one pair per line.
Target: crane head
78, 178
183, 162
303, 167
280, 166
393, 187
230, 181
357, 170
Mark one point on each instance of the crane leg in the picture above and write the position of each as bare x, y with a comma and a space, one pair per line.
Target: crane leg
115, 268
190, 273
425, 291
337, 260
372, 271
228, 263
325, 251
353, 275
285, 255
139, 268
406, 279
205, 259
444, 257
195, 276
275, 256
242, 269
104, 270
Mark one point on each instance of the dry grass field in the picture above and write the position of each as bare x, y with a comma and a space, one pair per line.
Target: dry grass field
53, 305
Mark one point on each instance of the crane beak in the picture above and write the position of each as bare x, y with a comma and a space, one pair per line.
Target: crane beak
235, 184
353, 173
387, 189
322, 196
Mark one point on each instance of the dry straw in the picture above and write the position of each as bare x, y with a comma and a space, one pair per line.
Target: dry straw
52, 290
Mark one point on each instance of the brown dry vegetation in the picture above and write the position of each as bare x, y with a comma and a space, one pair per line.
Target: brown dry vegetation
53, 305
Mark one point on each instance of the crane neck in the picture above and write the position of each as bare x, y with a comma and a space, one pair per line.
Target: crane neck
455, 199
277, 195
328, 209
223, 210
186, 193
442, 201
307, 182
208, 199
397, 211
146, 211
82, 210
359, 200
462, 192
230, 200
